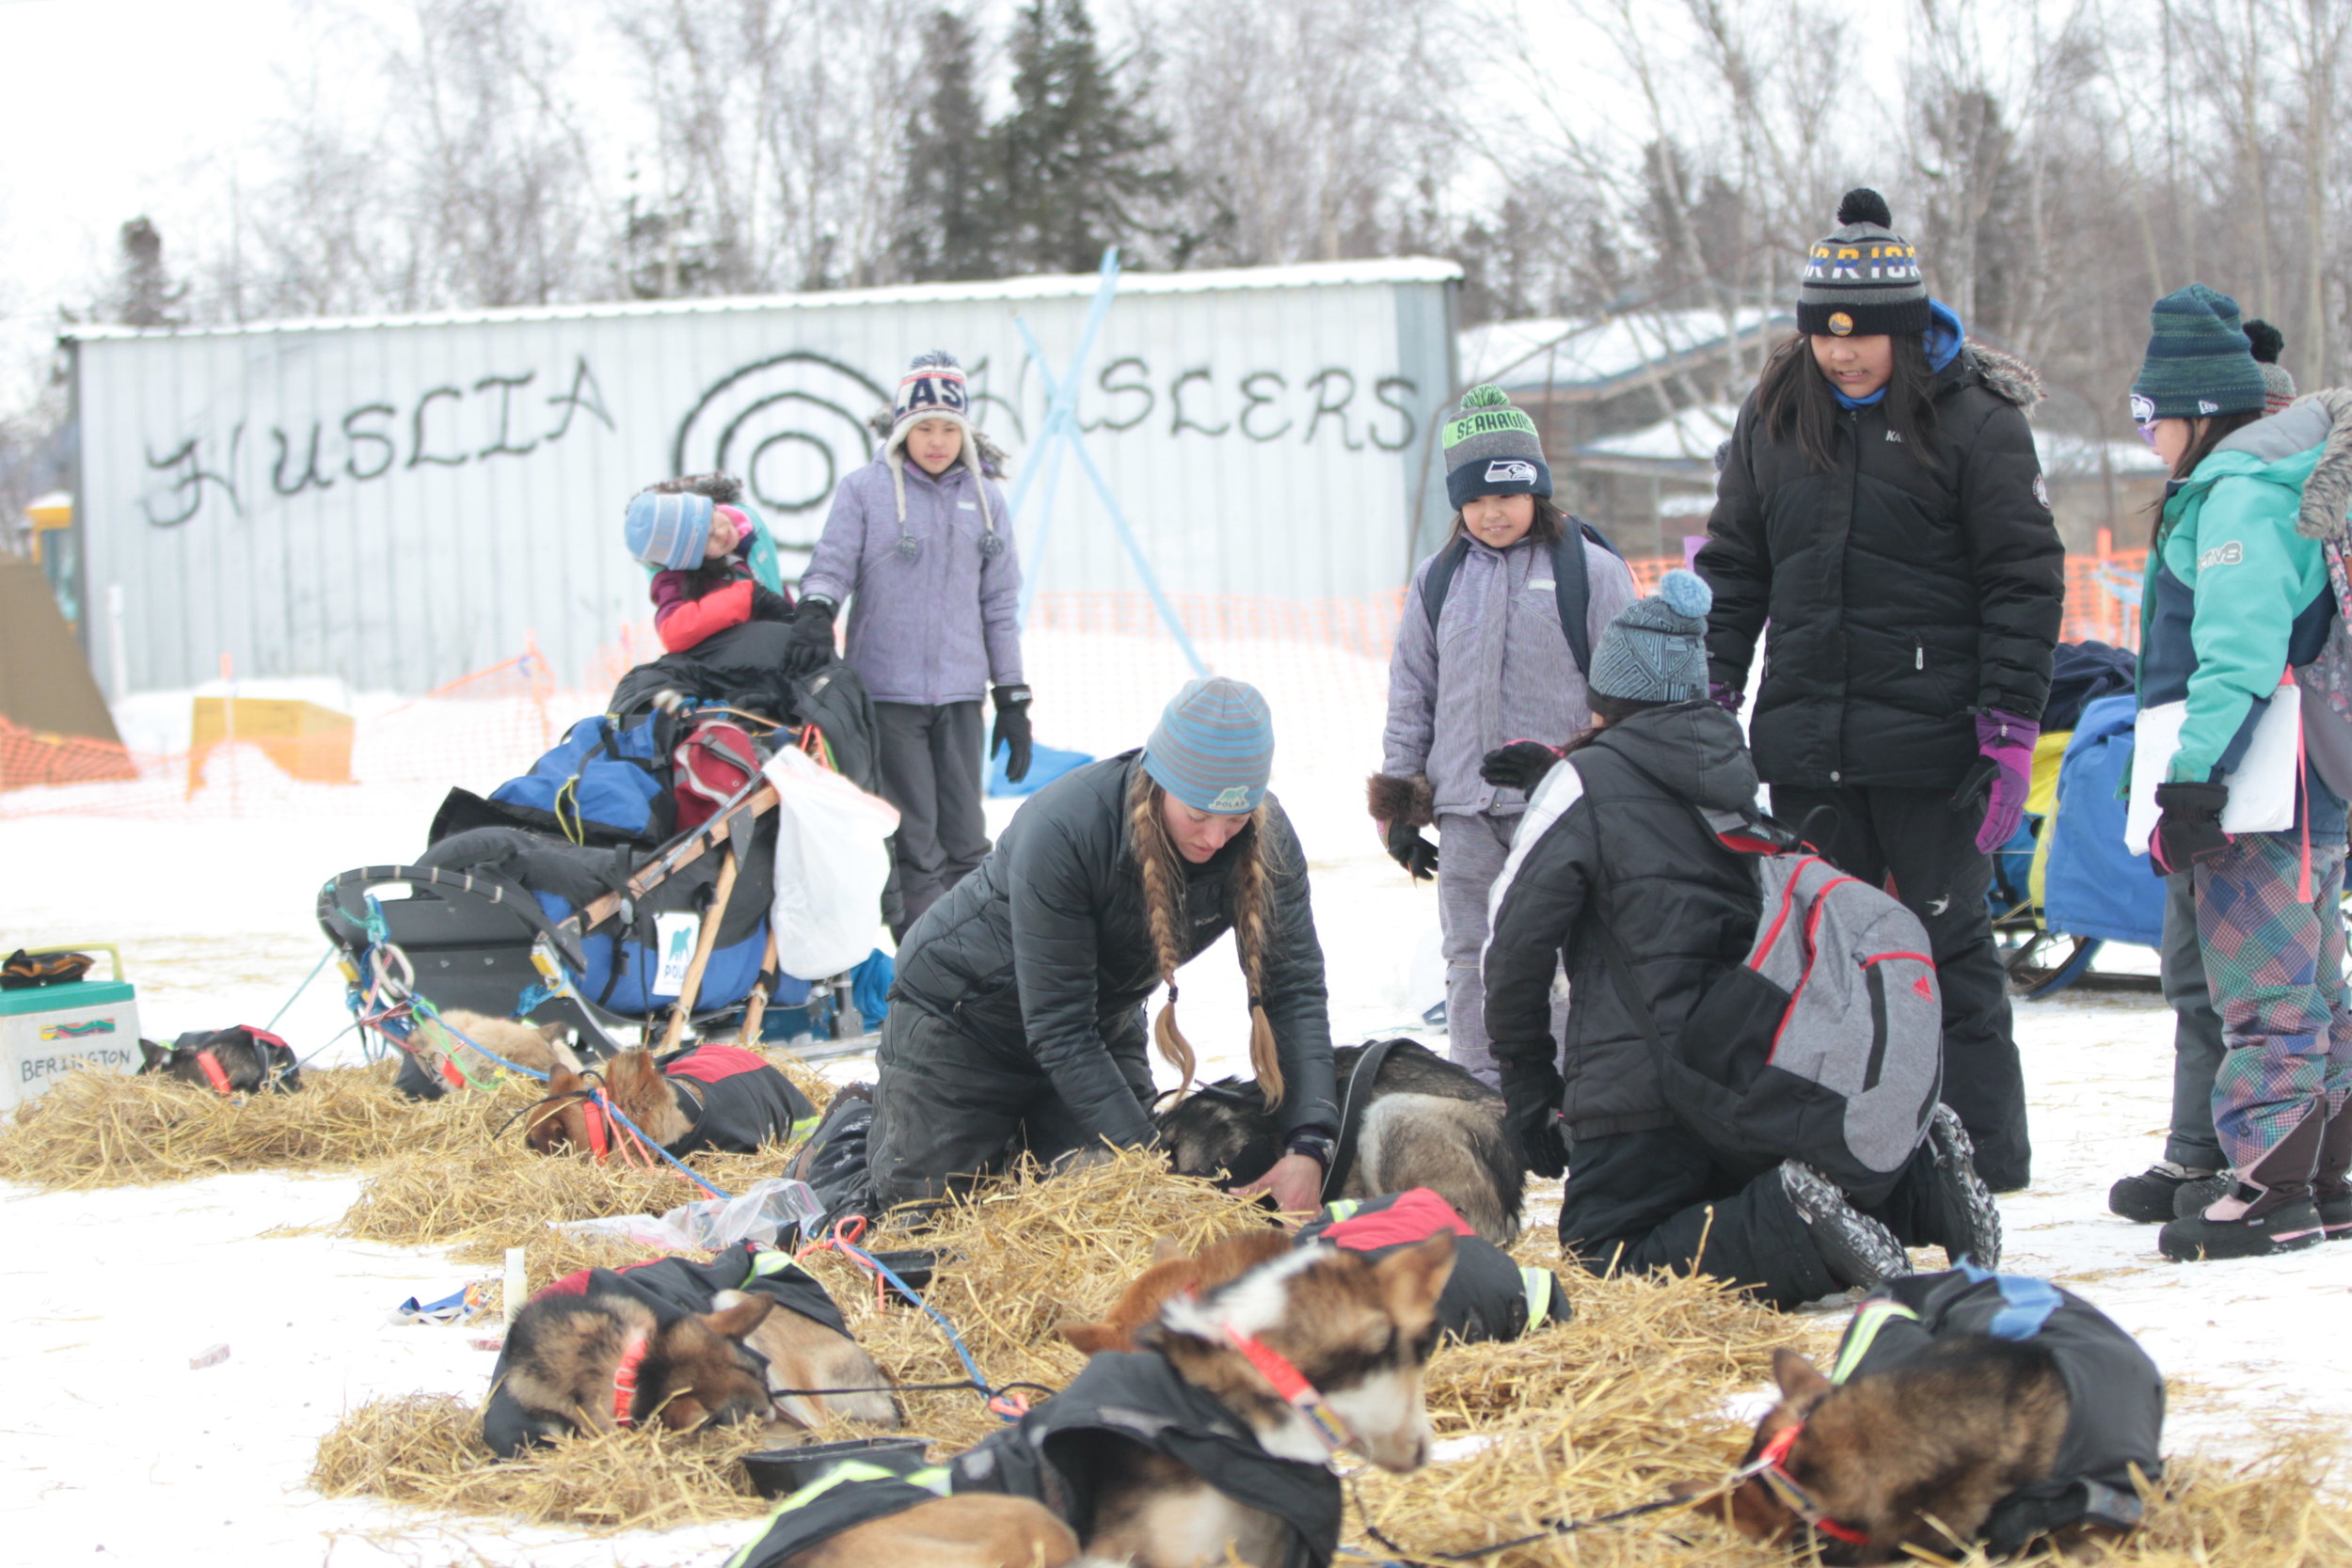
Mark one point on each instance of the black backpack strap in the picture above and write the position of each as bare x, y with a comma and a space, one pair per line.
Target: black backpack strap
1441, 577
1351, 1108
1572, 585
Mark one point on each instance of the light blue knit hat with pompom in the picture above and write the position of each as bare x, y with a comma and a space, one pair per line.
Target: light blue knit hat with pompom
1655, 651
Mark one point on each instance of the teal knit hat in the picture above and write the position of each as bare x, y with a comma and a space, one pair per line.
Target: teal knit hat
1655, 651
1213, 746
2199, 362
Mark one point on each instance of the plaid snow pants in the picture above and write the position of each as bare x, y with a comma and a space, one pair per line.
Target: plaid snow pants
2276, 966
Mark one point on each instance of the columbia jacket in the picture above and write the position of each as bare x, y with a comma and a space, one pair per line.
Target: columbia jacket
1048, 1458
940, 628
1903, 598
2236, 593
1497, 669
2115, 1424
1046, 945
1611, 841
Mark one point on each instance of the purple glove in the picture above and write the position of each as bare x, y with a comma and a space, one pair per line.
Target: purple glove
1726, 696
2006, 741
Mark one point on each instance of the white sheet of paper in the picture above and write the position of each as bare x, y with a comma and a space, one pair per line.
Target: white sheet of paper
675, 935
2262, 790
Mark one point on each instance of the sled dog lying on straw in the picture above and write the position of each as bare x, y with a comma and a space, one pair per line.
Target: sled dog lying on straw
237, 1060
742, 1337
1961, 1406
442, 1050
1211, 1444
1410, 1118
710, 1097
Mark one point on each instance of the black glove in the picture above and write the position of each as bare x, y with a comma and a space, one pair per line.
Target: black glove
769, 605
1531, 1115
1013, 730
2191, 828
1519, 766
809, 648
1416, 854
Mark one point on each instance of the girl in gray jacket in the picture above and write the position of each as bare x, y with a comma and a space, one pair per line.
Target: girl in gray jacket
919, 536
1498, 627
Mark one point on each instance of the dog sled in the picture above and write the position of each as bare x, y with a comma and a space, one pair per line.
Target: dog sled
630, 880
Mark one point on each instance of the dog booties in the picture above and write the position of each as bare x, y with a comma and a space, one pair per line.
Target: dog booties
2116, 1395
670, 1287
1487, 1297
1048, 1458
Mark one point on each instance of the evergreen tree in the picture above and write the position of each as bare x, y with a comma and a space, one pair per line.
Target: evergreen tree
144, 293
1077, 157
946, 228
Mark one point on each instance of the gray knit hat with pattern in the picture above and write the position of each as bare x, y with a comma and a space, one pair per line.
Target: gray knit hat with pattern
1655, 651
1863, 280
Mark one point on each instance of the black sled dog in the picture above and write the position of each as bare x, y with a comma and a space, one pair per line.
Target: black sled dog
1408, 1118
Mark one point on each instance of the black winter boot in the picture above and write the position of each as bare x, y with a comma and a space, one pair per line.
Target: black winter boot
2195, 1197
2268, 1207
2331, 1184
1967, 1222
2148, 1197
1859, 1251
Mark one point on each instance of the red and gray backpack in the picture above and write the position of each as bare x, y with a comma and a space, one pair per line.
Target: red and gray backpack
1826, 1044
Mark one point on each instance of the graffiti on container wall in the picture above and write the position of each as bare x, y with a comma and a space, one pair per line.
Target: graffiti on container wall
442, 427
792, 424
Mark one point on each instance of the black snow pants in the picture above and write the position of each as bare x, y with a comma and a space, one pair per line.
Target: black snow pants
948, 1109
1641, 1201
930, 770
1931, 850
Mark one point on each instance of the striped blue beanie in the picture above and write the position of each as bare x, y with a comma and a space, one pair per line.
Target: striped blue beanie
1213, 746
669, 530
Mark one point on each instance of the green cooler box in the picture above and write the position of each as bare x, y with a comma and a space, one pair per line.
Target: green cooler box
47, 1031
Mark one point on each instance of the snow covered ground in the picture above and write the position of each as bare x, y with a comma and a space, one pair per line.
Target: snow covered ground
114, 1445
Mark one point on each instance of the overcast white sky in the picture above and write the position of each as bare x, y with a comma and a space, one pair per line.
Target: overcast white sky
112, 109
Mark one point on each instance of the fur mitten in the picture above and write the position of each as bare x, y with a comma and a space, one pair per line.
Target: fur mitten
1410, 801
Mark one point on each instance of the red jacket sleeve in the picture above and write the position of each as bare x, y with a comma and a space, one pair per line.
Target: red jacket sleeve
686, 622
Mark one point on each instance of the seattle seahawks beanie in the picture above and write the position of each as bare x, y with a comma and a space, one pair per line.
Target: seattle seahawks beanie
1213, 746
1491, 448
1655, 651
1864, 279
669, 530
2199, 362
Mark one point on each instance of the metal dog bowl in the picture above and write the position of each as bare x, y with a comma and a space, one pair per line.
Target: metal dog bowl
781, 1472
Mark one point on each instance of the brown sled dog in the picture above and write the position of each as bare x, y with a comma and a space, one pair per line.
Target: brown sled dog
716, 1096
590, 1352
1174, 1272
1357, 1332
541, 1048
1913, 1456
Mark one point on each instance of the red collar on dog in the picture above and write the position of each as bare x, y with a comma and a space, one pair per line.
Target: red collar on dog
214, 1073
1772, 1467
1292, 1384
625, 1381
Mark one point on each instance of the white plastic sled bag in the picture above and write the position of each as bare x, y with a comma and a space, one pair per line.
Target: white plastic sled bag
832, 856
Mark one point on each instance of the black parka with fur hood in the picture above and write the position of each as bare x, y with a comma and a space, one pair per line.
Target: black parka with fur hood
1045, 950
1902, 597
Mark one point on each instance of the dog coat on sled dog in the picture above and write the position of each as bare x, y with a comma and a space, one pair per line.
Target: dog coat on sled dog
683, 1343
1204, 1442
718, 1096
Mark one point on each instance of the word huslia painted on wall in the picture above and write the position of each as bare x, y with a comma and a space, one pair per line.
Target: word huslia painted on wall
399, 501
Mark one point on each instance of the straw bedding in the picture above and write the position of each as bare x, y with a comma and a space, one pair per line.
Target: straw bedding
107, 1129
1577, 1420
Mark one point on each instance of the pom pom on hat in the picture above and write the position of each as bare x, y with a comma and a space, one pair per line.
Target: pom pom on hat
2267, 341
1864, 205
1654, 651
1486, 395
2278, 383
1687, 594
935, 358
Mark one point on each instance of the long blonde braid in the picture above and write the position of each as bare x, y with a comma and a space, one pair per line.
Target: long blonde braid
1163, 910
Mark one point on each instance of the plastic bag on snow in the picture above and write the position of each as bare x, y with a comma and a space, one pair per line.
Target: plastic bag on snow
833, 856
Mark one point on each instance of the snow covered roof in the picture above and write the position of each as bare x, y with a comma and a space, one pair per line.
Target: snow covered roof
1690, 436
1562, 353
2078, 457
1408, 269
